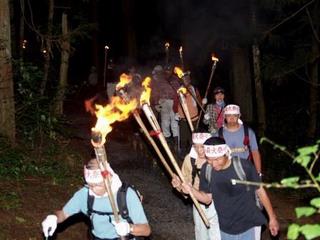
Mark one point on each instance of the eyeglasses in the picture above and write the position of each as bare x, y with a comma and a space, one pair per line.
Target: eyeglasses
217, 92
231, 115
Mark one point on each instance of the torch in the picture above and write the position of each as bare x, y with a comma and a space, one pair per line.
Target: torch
181, 91
181, 57
181, 75
167, 45
155, 125
213, 68
106, 48
137, 117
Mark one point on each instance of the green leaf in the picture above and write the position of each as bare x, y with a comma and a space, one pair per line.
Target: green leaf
303, 160
293, 231
318, 178
308, 150
310, 231
315, 202
290, 182
304, 211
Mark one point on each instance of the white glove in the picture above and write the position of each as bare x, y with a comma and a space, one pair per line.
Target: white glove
49, 225
122, 228
204, 101
115, 183
207, 116
177, 117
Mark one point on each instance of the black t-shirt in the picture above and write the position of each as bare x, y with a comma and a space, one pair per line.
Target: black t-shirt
235, 204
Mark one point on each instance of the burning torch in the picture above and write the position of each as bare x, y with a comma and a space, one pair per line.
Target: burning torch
182, 75
182, 91
144, 102
167, 45
213, 68
106, 48
123, 94
181, 57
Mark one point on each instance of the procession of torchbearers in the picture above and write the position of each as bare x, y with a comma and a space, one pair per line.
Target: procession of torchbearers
221, 209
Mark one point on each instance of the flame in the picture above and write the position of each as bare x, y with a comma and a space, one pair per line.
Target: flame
213, 58
116, 110
178, 71
124, 80
180, 50
182, 90
145, 96
167, 45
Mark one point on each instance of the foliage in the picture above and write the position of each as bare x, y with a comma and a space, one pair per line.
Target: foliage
19, 162
34, 117
307, 157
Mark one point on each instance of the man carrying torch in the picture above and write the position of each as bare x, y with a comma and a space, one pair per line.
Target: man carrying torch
101, 215
192, 108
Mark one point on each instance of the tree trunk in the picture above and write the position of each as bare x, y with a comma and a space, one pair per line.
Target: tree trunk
47, 49
261, 108
7, 109
65, 52
314, 76
241, 82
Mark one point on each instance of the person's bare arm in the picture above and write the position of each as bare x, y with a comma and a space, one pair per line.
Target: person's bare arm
61, 215
273, 222
257, 160
140, 229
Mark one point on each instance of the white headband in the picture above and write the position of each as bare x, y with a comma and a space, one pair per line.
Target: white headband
216, 151
231, 109
92, 175
200, 138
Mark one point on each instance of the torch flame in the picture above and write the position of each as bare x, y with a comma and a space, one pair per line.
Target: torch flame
180, 49
145, 96
178, 71
124, 80
213, 58
167, 45
182, 90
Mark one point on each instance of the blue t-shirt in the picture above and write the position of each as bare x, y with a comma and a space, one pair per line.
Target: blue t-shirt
102, 226
235, 141
235, 204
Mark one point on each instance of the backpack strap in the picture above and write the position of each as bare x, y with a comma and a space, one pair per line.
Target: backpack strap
208, 173
237, 165
122, 200
246, 141
194, 169
220, 133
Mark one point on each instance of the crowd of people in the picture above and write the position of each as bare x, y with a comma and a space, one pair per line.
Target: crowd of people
212, 157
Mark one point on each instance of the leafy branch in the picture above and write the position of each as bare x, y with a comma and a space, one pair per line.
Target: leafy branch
307, 158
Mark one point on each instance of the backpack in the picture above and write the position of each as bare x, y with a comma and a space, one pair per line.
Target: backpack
121, 201
246, 139
195, 171
237, 165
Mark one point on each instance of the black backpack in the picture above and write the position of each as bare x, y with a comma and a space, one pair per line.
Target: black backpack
121, 201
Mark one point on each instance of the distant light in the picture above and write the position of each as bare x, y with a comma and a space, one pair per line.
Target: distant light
24, 44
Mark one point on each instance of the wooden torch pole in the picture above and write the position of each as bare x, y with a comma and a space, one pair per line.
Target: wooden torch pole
155, 125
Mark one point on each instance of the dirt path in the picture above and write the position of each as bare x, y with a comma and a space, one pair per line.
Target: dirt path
24, 204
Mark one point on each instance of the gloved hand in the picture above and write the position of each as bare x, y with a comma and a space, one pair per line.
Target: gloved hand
207, 116
204, 101
49, 225
177, 117
122, 228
